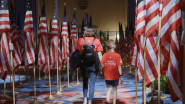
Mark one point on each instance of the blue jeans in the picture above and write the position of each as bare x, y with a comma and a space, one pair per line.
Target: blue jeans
92, 75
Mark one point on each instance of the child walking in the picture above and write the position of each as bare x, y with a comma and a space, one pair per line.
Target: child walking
111, 62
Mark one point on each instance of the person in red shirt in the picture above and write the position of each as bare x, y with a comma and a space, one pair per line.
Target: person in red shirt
111, 62
88, 70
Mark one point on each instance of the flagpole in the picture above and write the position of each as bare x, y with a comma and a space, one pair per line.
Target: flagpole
144, 73
130, 69
39, 76
4, 95
67, 86
35, 96
136, 82
50, 97
19, 77
183, 90
159, 58
77, 82
13, 72
58, 92
60, 87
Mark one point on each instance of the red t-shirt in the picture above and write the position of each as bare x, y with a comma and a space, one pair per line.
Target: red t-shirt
97, 44
111, 61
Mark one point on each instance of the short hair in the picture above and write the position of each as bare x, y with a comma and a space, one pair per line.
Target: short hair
89, 32
110, 44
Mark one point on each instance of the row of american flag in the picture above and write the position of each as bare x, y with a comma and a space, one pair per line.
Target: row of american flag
53, 45
147, 40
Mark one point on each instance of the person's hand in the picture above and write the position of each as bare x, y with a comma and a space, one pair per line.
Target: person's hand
121, 80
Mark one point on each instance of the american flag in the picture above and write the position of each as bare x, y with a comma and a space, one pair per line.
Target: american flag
140, 29
90, 21
15, 40
151, 51
171, 20
86, 21
4, 30
73, 36
21, 41
55, 54
82, 29
117, 44
134, 54
28, 30
65, 39
42, 36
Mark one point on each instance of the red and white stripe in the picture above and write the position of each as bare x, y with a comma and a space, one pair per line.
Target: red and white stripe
42, 55
73, 38
173, 69
134, 54
21, 42
16, 52
141, 58
151, 62
5, 53
30, 45
4, 21
122, 49
152, 17
3, 75
141, 10
171, 20
65, 43
55, 47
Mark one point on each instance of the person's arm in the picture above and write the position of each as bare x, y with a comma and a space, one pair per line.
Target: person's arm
100, 55
120, 74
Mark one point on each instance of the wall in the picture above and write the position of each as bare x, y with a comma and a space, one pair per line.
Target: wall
105, 13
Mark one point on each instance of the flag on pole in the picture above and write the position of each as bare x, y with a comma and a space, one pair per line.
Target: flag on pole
55, 42
134, 54
82, 29
74, 33
15, 40
28, 34
86, 21
21, 41
65, 38
171, 20
42, 36
90, 21
151, 50
4, 30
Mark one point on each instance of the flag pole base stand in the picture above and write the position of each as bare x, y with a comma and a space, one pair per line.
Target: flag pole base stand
35, 101
58, 92
12, 89
162, 97
146, 88
45, 77
20, 83
60, 89
68, 86
5, 97
78, 83
50, 97
154, 93
152, 101
16, 92
39, 79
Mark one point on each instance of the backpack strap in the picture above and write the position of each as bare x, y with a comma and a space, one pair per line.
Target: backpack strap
93, 41
85, 41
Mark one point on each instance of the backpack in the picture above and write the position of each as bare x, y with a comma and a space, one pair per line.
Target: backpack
88, 55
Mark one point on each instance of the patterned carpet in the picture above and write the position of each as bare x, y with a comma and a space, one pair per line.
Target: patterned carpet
74, 95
